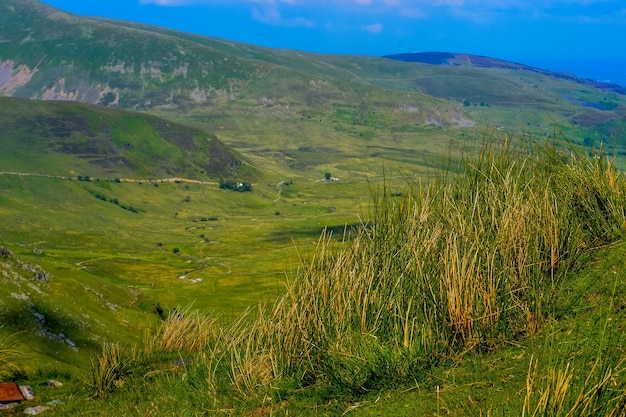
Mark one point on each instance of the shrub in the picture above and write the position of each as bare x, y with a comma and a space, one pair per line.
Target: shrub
235, 185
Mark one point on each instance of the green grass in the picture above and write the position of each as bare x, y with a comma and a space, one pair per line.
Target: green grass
69, 139
496, 292
453, 295
101, 257
269, 103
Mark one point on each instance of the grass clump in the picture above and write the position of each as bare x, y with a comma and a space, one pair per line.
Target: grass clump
554, 393
585, 382
469, 263
109, 369
7, 356
184, 330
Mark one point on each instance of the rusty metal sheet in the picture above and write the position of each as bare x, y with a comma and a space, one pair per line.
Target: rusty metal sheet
10, 392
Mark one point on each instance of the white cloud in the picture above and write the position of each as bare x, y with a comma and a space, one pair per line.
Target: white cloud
374, 28
270, 14
477, 11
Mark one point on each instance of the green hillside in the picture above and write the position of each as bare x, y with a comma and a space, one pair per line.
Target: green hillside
485, 293
192, 226
69, 139
270, 103
124, 215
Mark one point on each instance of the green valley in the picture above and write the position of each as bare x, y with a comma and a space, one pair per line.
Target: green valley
194, 226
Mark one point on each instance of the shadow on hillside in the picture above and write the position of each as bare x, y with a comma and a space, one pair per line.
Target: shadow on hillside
338, 232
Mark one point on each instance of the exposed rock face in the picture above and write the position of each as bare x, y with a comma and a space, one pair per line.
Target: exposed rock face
13, 77
42, 276
4, 252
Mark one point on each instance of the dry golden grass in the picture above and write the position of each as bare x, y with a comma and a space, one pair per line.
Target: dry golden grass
552, 394
108, 369
184, 330
467, 263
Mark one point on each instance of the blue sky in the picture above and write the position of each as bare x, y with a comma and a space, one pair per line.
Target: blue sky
554, 34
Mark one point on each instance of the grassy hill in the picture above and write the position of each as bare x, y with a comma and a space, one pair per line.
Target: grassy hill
497, 292
451, 279
450, 59
348, 111
124, 216
70, 139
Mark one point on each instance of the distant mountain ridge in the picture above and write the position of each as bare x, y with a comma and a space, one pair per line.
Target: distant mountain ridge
456, 59
278, 105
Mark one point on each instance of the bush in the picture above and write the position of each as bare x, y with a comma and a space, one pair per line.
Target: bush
235, 185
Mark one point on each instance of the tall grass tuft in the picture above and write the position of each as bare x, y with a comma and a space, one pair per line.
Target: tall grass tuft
7, 355
184, 330
553, 393
109, 369
469, 262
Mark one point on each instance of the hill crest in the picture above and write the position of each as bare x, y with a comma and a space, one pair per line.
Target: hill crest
460, 59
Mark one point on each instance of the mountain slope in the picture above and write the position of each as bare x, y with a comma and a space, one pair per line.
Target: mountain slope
61, 56
271, 104
69, 139
450, 59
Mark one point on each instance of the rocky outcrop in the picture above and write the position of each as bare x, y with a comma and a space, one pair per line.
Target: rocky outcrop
4, 252
14, 76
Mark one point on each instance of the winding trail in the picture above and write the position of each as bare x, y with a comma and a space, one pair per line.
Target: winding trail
66, 177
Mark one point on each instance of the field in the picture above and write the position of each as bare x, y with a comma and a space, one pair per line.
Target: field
368, 320
183, 244
225, 229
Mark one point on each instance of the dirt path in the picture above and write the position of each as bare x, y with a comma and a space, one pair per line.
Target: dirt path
65, 177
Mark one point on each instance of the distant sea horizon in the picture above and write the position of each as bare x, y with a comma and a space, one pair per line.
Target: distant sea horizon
606, 70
